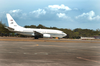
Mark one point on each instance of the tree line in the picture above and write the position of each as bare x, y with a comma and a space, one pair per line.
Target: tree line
5, 32
75, 34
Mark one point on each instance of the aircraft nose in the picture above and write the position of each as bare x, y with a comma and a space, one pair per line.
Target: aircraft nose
65, 34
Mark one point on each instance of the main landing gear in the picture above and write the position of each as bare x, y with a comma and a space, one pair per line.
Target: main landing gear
36, 37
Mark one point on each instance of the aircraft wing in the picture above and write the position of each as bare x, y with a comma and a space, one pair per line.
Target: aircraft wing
41, 34
38, 34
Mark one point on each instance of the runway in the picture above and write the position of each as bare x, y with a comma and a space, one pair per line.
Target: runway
39, 53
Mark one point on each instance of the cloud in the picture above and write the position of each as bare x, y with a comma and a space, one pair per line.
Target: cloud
15, 11
61, 15
90, 16
42, 14
18, 14
64, 17
57, 7
97, 17
75, 9
38, 12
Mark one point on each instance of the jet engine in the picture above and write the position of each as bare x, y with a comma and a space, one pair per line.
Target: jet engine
46, 35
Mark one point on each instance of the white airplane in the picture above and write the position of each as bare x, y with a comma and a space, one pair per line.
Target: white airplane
37, 33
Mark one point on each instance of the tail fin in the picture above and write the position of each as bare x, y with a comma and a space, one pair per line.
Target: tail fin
11, 21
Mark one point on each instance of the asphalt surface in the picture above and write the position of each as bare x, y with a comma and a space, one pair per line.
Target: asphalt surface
18, 53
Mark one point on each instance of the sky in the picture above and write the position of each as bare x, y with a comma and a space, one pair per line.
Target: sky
70, 14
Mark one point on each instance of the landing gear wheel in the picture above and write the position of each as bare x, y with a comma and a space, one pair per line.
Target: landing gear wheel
59, 38
36, 37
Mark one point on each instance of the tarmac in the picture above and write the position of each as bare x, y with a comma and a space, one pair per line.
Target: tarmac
49, 52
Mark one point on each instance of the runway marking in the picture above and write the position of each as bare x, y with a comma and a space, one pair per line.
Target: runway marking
88, 59
41, 53
25, 53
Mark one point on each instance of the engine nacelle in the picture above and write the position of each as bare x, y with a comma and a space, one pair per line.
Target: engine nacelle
33, 34
46, 35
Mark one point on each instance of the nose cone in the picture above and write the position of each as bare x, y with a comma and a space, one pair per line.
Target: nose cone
65, 34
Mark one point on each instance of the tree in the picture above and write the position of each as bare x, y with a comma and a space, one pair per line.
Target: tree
32, 26
3, 30
41, 26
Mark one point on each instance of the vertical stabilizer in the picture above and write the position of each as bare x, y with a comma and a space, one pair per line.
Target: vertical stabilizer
11, 21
